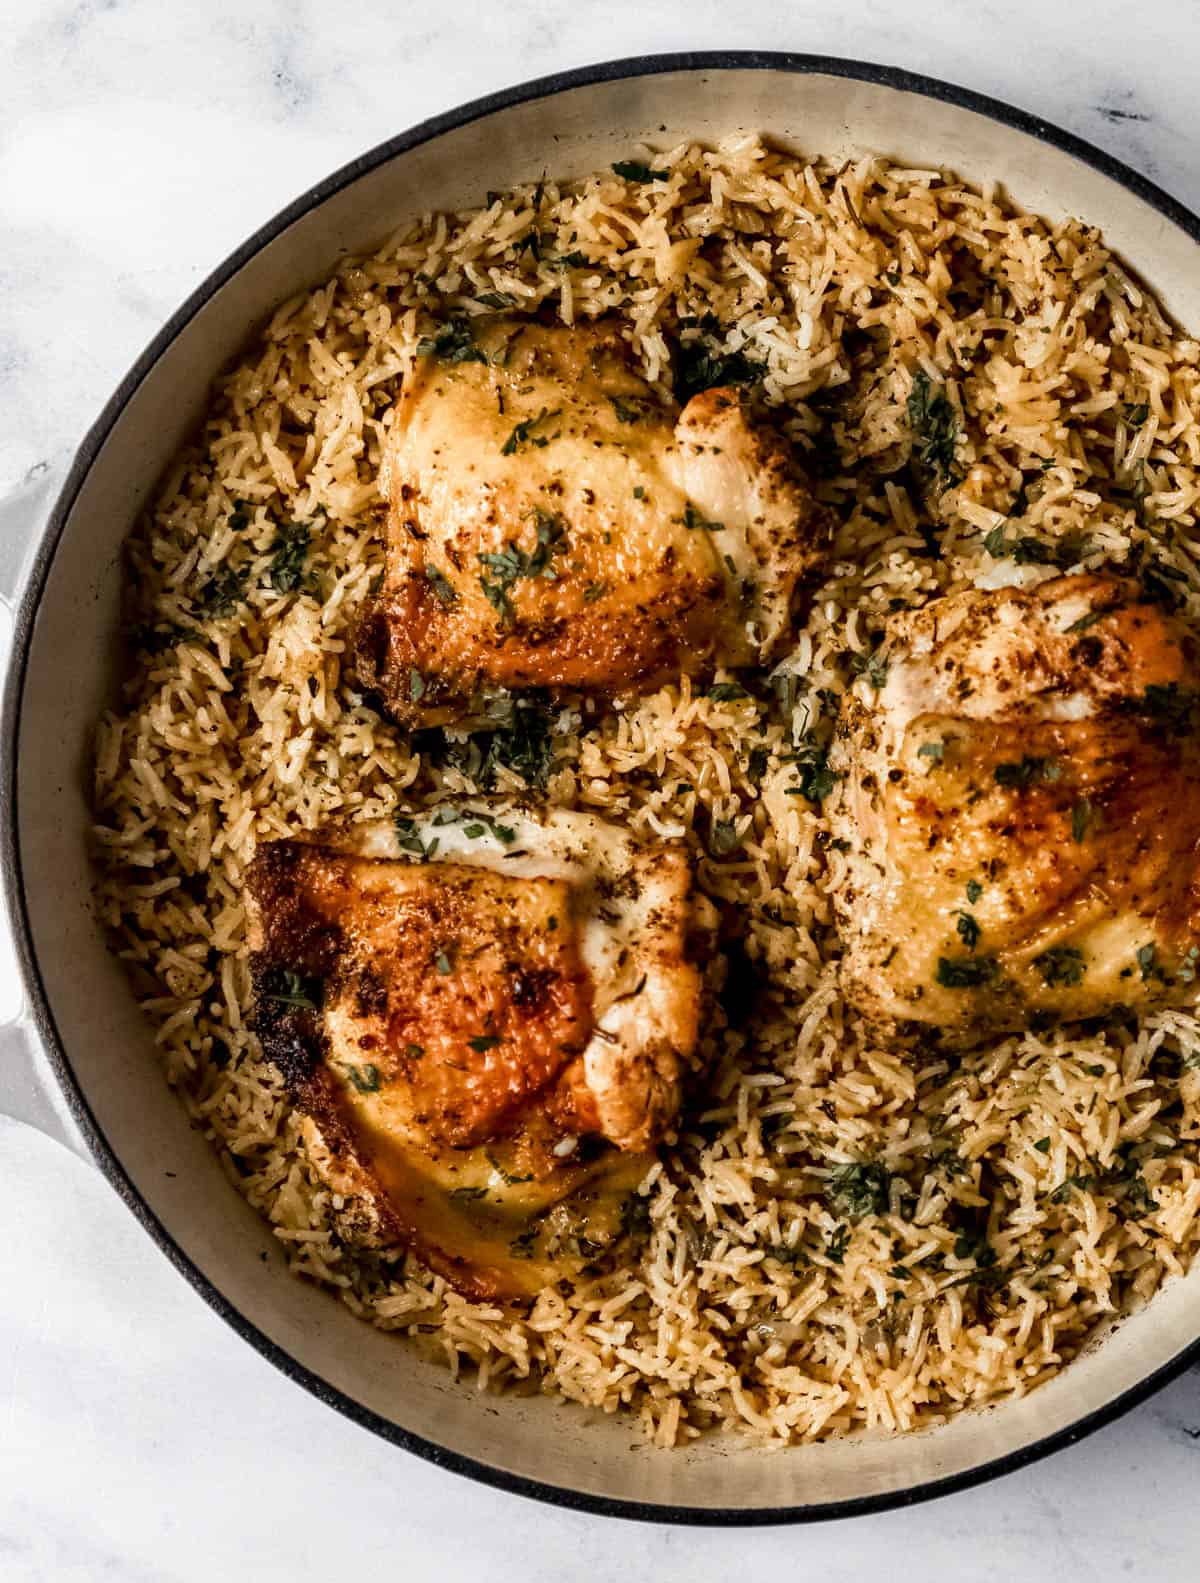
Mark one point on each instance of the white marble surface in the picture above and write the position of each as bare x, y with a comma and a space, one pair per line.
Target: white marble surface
139, 142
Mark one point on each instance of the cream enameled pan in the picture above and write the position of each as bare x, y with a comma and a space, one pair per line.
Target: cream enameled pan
82, 1064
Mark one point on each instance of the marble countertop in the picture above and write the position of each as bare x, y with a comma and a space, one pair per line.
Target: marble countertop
140, 141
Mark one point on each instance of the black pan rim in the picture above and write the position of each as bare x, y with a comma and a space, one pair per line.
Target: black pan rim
10, 721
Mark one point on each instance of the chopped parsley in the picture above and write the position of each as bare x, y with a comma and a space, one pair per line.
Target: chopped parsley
635, 1216
1029, 771
509, 565
817, 780
467, 1195
414, 1052
443, 964
968, 930
522, 1247
1087, 621
1147, 960
416, 684
224, 589
485, 1041
365, 1078
725, 692
724, 837
1042, 1145
288, 555
594, 591
873, 666
1061, 964
966, 972
974, 891
936, 751
495, 299
523, 742
626, 411
700, 366
408, 839
1169, 705
157, 639
859, 1188
634, 170
1076, 1182
1081, 819
523, 434
524, 745
1157, 580
445, 590
454, 342
1028, 551
692, 520
934, 425
836, 1247
296, 990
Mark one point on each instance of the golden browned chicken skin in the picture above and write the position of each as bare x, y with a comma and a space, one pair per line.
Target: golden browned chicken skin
553, 524
1021, 800
487, 1040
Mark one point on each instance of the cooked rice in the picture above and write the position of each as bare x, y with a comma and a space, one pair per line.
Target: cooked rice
759, 1301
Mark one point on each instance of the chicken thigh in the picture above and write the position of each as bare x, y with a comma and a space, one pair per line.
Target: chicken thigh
1020, 801
485, 1017
552, 524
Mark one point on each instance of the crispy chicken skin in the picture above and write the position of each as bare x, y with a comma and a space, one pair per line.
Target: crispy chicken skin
1021, 800
488, 1044
552, 525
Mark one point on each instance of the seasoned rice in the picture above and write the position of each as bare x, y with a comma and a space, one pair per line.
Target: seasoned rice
764, 1299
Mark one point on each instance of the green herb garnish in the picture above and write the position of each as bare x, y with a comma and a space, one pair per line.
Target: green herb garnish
1081, 819
523, 434
445, 590
692, 520
364, 1078
626, 411
859, 1188
224, 589
303, 993
1029, 771
634, 170
288, 555
1061, 964
835, 1248
1073, 1183
970, 972
453, 343
699, 366
509, 565
934, 424
724, 837
874, 667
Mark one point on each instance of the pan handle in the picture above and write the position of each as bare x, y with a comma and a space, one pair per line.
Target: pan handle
28, 1090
